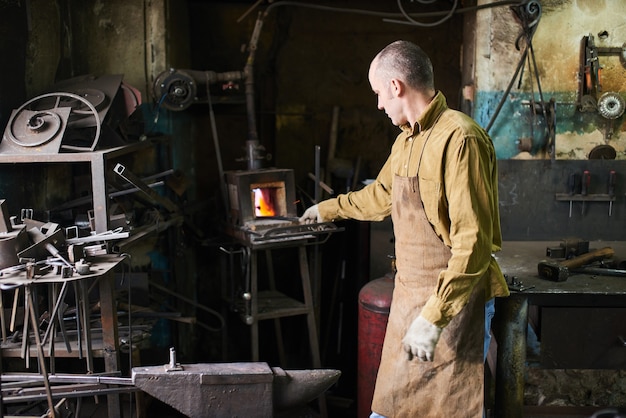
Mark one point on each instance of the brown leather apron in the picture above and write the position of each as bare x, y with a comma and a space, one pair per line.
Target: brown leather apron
451, 385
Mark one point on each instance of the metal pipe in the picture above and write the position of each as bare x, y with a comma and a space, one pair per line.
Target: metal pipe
249, 77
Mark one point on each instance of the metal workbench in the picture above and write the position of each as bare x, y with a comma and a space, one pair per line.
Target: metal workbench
519, 260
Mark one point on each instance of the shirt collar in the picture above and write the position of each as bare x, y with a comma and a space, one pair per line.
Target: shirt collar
432, 112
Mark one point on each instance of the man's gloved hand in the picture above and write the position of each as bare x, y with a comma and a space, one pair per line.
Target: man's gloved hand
311, 215
421, 338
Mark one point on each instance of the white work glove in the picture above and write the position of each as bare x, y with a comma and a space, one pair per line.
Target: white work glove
421, 338
311, 215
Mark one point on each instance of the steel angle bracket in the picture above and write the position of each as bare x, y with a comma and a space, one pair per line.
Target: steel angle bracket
38, 250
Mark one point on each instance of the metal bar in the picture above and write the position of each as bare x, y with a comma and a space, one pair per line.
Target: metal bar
79, 337
100, 197
254, 302
311, 320
110, 340
88, 199
308, 301
133, 179
193, 303
3, 318
83, 314
61, 322
55, 311
121, 246
40, 355
98, 237
51, 326
98, 379
25, 349
277, 325
71, 394
316, 285
507, 91
600, 271
323, 185
16, 296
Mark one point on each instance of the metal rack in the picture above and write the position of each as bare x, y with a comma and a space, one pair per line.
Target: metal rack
98, 164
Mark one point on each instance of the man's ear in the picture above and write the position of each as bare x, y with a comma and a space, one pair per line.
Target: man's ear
397, 87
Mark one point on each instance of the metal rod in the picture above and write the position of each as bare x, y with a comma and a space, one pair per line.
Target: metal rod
55, 310
317, 192
133, 179
3, 319
317, 285
508, 89
191, 302
40, 355
72, 393
218, 153
103, 379
600, 271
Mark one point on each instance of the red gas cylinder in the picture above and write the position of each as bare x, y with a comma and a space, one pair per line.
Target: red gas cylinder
374, 304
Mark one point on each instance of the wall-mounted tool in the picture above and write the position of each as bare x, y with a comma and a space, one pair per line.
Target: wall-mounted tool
610, 106
573, 187
589, 75
579, 188
559, 271
584, 187
611, 189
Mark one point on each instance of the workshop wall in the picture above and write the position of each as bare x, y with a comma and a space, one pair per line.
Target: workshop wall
13, 31
555, 70
337, 76
540, 106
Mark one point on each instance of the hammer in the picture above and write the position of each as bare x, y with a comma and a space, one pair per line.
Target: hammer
559, 271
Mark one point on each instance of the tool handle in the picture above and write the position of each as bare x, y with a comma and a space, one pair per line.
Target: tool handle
585, 182
573, 183
583, 259
612, 176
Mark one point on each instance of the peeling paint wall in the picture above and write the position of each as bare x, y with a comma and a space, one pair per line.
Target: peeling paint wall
556, 47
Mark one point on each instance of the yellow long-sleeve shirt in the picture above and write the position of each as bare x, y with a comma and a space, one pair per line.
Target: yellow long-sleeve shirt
458, 181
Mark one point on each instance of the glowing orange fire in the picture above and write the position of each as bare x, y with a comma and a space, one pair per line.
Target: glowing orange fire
263, 202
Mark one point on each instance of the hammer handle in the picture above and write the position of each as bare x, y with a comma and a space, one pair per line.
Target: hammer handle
583, 259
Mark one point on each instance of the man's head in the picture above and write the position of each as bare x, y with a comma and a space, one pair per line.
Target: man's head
401, 75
